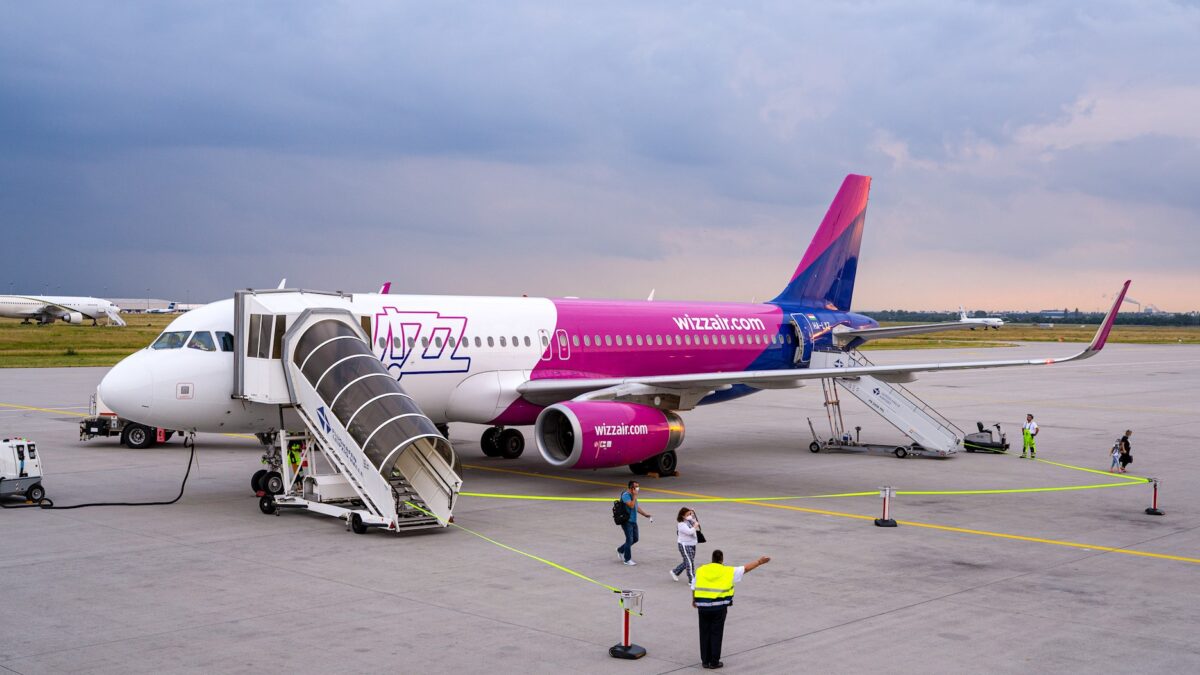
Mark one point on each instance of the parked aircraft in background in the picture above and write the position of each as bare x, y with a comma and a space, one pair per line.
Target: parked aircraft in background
171, 308
50, 308
986, 322
602, 381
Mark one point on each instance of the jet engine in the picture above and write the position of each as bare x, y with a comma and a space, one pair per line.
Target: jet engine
73, 317
600, 434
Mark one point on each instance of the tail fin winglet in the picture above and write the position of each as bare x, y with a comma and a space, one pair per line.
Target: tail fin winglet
825, 276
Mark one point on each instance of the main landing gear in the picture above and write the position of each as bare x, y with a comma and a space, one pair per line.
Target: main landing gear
501, 442
663, 465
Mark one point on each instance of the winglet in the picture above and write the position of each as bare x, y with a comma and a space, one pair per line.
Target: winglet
1101, 336
282, 284
385, 288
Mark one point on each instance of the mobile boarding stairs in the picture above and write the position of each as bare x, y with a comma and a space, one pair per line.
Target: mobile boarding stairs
930, 432
366, 453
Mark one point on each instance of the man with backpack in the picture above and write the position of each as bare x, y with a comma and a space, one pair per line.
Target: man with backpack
625, 513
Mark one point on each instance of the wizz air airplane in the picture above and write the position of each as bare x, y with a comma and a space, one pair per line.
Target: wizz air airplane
50, 308
603, 382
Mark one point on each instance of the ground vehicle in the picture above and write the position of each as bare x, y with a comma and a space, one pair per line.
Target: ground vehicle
984, 441
20, 469
101, 421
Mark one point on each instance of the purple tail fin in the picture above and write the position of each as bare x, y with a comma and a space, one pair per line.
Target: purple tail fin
825, 277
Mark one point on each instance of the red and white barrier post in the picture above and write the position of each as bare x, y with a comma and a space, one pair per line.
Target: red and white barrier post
887, 492
1154, 510
631, 601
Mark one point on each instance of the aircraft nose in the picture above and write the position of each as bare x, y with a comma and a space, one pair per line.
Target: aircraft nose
127, 389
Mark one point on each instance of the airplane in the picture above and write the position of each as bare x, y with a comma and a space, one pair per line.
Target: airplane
986, 322
609, 376
47, 309
169, 309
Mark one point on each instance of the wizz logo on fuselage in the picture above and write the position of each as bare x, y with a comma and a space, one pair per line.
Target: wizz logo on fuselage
415, 343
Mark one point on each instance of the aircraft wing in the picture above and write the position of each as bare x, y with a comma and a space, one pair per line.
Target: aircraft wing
845, 336
691, 387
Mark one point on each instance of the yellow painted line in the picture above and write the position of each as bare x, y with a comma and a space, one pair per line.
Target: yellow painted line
930, 526
1122, 476
55, 411
506, 547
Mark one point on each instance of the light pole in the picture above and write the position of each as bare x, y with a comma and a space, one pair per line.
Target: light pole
147, 299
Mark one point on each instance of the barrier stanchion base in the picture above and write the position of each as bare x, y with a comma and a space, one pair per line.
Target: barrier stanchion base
880, 522
1154, 512
626, 652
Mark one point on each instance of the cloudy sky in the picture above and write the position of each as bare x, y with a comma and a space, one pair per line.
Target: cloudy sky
1024, 155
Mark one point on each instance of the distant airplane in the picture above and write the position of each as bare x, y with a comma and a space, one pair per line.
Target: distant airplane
50, 308
169, 309
601, 381
986, 322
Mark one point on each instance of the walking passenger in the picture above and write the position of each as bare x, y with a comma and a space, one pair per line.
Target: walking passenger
629, 499
1126, 451
686, 540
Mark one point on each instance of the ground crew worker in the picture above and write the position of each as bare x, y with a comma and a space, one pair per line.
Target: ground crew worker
295, 455
1028, 433
712, 594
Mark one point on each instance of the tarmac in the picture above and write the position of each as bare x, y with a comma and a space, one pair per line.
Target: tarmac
1064, 581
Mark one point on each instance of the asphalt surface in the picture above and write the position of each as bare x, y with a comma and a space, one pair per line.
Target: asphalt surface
1065, 581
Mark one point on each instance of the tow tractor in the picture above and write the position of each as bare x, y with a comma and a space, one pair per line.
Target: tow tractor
20, 469
984, 441
102, 421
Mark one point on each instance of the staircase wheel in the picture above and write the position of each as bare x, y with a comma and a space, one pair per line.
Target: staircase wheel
273, 483
901, 452
357, 524
266, 504
490, 442
256, 481
814, 447
512, 444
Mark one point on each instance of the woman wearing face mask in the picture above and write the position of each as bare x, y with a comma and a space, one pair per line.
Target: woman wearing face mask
688, 528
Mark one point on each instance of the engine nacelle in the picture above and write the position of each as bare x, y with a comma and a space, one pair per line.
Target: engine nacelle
600, 434
73, 317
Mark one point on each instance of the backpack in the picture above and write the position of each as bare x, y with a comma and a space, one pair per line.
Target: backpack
620, 512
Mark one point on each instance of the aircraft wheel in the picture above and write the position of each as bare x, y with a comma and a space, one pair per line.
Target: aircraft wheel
490, 442
512, 444
814, 447
266, 504
256, 481
901, 452
357, 525
137, 436
664, 464
36, 493
639, 469
273, 483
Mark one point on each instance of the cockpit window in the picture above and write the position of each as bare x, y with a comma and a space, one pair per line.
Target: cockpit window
203, 341
171, 340
226, 340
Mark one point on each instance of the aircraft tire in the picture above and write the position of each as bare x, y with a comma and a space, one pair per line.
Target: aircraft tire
266, 504
490, 442
273, 483
512, 444
814, 447
256, 481
639, 469
664, 464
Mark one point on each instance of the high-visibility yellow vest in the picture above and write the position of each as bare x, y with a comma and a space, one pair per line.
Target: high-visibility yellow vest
714, 586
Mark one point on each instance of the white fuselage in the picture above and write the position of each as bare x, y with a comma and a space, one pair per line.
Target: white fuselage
52, 306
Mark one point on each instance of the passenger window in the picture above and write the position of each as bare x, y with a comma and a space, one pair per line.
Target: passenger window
658, 340
562, 339
527, 342
396, 343
574, 340
491, 342
724, 340
503, 343
171, 340
741, 339
226, 340
516, 342
649, 340
203, 341
639, 340
382, 342
437, 342
478, 342
607, 340
450, 341
425, 343
789, 338
629, 340
587, 341
596, 339
687, 340
619, 341
412, 342
705, 339
546, 341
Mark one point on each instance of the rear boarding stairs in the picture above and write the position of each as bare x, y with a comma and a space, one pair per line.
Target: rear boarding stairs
366, 453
